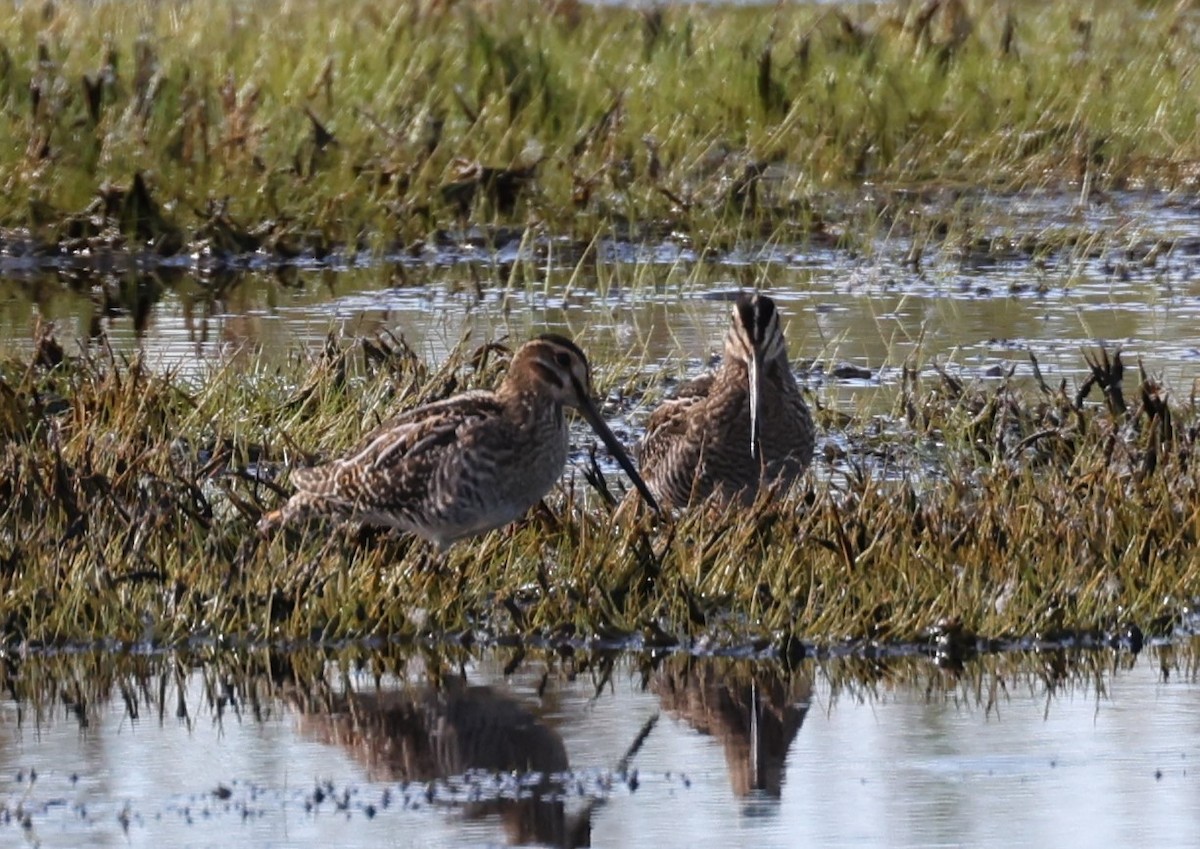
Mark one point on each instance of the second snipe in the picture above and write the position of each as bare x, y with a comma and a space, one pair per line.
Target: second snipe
727, 433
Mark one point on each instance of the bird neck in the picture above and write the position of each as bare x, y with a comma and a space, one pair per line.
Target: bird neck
734, 376
527, 399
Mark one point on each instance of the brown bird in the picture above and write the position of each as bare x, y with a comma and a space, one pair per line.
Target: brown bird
450, 733
727, 433
466, 465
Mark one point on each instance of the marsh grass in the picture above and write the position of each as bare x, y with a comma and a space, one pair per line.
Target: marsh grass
129, 498
262, 684
303, 126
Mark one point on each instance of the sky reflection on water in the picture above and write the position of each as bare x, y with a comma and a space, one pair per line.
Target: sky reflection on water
1042, 750
660, 305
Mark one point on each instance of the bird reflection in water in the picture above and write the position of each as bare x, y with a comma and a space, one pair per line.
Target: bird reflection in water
754, 712
429, 734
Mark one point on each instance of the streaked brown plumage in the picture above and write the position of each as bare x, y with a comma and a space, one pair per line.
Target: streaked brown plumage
729, 432
468, 464
450, 733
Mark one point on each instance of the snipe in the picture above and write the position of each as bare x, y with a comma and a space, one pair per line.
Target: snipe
460, 467
727, 433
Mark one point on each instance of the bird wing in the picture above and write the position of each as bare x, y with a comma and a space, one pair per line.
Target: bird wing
697, 387
393, 464
670, 421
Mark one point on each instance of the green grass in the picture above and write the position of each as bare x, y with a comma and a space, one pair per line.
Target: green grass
128, 503
128, 498
287, 126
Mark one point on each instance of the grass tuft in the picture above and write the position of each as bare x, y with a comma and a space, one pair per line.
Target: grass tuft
182, 128
128, 504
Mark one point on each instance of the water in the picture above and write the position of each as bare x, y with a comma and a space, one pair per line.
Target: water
980, 310
274, 750
1038, 750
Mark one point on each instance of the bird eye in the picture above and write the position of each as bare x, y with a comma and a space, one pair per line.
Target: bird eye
563, 360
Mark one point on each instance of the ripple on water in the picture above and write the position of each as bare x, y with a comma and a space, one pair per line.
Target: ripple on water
270, 749
658, 305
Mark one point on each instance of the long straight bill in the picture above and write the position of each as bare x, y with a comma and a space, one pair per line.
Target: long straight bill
755, 379
615, 448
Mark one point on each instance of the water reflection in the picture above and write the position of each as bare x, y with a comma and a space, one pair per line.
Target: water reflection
456, 729
367, 748
648, 306
753, 710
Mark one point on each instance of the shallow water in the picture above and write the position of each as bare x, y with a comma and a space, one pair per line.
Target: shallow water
1041, 749
1020, 750
979, 309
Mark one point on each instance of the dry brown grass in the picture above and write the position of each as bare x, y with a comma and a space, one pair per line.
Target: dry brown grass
128, 502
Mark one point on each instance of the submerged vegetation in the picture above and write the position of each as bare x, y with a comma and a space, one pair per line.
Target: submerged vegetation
230, 128
128, 504
395, 734
261, 683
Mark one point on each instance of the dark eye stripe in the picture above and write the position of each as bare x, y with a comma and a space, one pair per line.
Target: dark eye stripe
550, 375
767, 312
745, 308
757, 315
566, 350
563, 342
